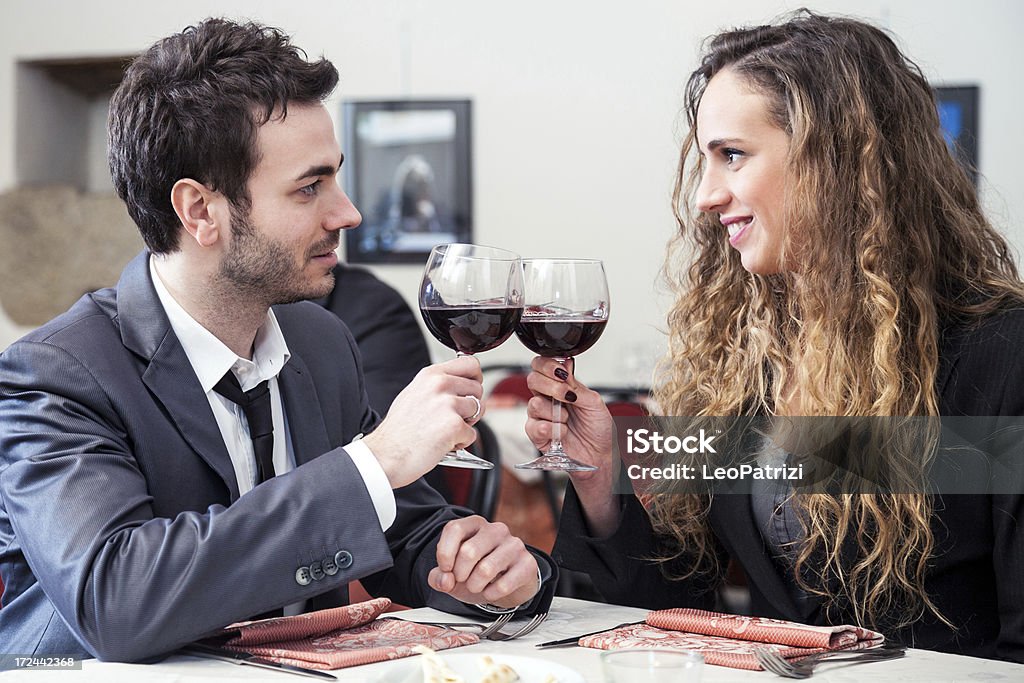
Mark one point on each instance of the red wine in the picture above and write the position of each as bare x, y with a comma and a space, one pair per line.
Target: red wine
559, 338
471, 329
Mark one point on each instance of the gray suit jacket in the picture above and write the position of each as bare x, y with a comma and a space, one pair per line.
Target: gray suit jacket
122, 534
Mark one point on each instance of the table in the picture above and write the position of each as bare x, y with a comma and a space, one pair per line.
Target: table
567, 617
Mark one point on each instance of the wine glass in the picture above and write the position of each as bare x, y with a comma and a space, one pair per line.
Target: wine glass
471, 298
566, 310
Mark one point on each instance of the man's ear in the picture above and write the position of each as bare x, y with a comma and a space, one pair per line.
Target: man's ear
203, 212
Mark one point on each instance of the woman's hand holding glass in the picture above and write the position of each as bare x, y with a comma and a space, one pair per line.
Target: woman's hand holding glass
586, 429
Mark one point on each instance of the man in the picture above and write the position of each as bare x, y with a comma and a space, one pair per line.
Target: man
144, 503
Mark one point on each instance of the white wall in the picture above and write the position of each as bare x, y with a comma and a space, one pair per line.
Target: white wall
575, 108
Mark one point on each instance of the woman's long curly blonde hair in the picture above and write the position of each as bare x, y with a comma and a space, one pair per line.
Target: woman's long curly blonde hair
893, 246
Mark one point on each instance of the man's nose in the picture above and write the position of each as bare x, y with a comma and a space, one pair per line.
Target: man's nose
343, 214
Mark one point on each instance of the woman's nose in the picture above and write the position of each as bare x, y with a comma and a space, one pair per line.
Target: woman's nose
711, 192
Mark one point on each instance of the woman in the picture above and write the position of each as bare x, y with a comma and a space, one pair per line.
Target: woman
839, 265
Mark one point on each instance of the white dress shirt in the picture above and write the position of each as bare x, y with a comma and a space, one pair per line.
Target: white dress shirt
211, 359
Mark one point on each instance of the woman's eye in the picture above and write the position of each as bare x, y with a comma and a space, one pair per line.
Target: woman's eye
311, 189
731, 155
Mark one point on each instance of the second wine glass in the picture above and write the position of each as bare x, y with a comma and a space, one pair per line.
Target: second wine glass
567, 307
471, 298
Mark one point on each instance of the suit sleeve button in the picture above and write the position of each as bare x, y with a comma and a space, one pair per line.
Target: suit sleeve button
303, 577
316, 570
343, 559
330, 566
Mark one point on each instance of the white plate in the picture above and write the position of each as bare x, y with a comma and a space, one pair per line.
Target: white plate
530, 669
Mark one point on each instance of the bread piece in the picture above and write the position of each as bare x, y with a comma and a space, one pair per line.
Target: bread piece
434, 668
495, 672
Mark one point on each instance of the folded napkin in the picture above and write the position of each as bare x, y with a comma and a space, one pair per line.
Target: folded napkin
730, 640
337, 638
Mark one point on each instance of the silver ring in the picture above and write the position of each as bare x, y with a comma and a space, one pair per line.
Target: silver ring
479, 408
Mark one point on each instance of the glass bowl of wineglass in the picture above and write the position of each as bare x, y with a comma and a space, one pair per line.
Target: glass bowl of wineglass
567, 307
471, 298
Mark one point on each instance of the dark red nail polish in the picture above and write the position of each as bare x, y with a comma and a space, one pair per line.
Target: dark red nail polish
561, 374
570, 396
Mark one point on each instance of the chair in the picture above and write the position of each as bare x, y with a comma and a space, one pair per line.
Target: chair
477, 490
485, 485
626, 401
513, 384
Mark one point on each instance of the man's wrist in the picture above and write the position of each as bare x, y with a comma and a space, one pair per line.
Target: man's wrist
498, 609
379, 445
375, 479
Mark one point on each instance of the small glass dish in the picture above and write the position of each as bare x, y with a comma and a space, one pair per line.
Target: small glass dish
644, 665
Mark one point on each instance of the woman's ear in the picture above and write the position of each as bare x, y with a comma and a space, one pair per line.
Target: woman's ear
201, 210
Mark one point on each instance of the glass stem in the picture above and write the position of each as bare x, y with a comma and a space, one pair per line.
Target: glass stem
556, 427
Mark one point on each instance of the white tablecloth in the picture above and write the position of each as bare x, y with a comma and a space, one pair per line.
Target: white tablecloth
567, 618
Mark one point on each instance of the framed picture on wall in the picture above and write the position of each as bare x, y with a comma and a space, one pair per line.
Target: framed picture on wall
958, 115
408, 170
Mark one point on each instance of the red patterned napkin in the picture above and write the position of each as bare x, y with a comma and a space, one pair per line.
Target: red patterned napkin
339, 637
730, 640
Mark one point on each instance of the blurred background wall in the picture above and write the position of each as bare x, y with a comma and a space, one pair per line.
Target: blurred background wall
575, 127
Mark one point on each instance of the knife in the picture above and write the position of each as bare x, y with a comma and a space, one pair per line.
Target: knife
575, 639
225, 655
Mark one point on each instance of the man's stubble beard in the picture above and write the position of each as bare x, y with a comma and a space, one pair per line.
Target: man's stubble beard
260, 269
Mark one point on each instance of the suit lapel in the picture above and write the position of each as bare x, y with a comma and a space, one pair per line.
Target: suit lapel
305, 415
146, 331
172, 381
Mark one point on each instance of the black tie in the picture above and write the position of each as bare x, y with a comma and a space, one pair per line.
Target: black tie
255, 404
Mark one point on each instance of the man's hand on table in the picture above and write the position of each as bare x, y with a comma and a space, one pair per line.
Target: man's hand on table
481, 562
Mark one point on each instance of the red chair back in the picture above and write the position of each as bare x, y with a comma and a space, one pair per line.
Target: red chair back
626, 409
513, 385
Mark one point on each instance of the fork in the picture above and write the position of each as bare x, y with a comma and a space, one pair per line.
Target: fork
802, 668
537, 620
496, 625
483, 630
489, 631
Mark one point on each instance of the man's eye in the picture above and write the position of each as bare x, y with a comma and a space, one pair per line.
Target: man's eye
311, 189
